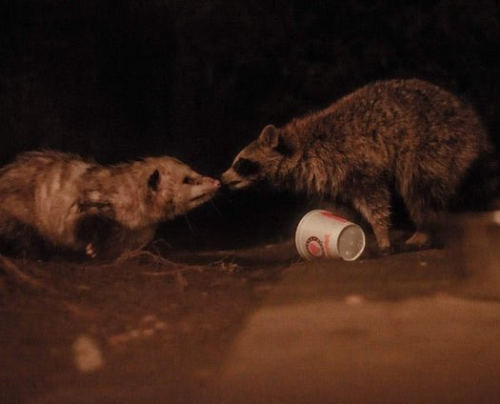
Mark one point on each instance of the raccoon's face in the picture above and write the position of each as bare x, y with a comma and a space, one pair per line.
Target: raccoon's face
258, 161
177, 188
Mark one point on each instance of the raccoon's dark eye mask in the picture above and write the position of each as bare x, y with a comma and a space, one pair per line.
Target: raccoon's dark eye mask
245, 167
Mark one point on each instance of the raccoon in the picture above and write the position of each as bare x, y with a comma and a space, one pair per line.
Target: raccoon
79, 205
407, 136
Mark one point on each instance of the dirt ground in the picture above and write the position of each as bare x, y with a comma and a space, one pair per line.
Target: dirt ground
160, 329
153, 329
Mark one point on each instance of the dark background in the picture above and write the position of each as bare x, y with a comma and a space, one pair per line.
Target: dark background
195, 79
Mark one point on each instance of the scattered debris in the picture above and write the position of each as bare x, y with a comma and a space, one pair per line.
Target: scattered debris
229, 267
87, 355
354, 300
20, 276
150, 318
181, 281
148, 327
147, 257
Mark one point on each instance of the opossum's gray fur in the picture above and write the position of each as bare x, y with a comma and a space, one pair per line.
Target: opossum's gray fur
80, 205
409, 135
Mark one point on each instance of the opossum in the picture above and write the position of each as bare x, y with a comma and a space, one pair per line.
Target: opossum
404, 135
75, 204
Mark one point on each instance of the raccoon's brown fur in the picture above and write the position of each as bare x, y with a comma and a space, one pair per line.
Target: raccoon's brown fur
407, 135
84, 206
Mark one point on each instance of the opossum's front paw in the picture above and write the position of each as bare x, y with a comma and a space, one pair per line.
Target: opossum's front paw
90, 251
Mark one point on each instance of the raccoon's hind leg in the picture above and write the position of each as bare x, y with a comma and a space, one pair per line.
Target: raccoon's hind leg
424, 198
373, 203
419, 239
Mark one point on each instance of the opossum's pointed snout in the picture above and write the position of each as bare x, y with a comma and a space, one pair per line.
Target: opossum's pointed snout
203, 191
211, 184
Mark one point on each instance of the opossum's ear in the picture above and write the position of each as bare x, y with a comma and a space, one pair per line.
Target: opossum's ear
154, 180
269, 137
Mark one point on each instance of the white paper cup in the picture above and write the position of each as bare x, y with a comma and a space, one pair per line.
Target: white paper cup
321, 234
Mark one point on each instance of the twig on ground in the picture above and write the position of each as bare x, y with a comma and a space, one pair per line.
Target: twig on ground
137, 254
156, 259
20, 276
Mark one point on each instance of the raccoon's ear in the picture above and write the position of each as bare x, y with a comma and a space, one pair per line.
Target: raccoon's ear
154, 180
269, 137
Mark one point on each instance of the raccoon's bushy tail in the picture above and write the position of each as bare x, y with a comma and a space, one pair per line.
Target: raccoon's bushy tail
480, 190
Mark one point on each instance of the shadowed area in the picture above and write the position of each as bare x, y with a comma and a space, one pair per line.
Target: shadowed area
256, 325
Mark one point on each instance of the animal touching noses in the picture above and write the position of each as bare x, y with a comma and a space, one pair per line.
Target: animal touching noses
207, 181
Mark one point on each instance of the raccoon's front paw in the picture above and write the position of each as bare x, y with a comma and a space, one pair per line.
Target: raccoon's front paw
90, 251
419, 239
385, 251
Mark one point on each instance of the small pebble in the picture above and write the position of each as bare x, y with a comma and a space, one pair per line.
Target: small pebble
148, 332
87, 355
354, 300
160, 325
150, 318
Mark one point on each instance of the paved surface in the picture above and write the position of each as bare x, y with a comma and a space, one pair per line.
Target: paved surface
401, 329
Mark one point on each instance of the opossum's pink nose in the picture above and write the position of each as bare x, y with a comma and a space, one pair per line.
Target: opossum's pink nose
216, 183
